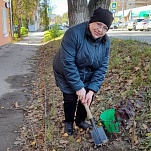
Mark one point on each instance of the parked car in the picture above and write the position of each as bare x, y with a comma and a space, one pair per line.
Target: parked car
140, 25
132, 24
113, 26
147, 26
60, 27
116, 25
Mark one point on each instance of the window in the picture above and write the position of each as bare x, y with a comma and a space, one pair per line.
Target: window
4, 24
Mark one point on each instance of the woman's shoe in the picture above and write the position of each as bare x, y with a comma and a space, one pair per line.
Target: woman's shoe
84, 125
69, 128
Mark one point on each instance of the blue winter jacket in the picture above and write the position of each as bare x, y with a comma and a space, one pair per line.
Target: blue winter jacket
81, 62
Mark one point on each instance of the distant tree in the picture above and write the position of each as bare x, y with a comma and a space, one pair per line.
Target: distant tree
44, 5
80, 11
58, 19
23, 12
65, 18
44, 14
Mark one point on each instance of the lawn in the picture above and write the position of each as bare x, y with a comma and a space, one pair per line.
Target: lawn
128, 80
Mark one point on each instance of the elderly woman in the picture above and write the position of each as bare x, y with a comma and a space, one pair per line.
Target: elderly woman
81, 64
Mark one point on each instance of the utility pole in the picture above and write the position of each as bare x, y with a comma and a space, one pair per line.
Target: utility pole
49, 14
123, 14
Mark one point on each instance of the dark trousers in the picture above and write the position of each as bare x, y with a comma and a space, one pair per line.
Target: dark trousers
72, 106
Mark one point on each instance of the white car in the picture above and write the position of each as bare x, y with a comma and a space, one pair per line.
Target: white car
147, 26
140, 25
132, 24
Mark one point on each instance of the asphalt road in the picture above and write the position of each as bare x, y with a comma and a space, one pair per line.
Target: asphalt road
143, 36
15, 70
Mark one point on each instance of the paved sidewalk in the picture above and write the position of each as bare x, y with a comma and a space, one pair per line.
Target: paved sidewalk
15, 69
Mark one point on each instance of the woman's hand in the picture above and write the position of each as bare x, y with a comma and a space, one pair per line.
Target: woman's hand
88, 97
81, 95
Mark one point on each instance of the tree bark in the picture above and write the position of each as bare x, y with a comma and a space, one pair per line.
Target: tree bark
77, 11
19, 25
93, 4
46, 14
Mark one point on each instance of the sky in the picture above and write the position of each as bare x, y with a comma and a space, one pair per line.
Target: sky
60, 6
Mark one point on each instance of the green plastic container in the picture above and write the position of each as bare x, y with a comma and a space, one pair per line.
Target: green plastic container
108, 119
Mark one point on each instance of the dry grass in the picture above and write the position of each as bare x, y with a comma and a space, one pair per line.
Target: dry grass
128, 77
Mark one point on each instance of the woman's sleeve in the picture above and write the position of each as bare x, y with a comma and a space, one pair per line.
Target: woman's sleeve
68, 55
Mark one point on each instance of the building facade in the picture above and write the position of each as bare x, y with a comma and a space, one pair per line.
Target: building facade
4, 23
136, 3
129, 4
126, 10
35, 25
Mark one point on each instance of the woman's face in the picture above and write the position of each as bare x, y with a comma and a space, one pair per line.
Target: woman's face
98, 29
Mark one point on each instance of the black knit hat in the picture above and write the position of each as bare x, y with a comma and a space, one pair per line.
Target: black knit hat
102, 15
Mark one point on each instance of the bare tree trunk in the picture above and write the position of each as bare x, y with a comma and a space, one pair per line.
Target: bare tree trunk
93, 4
19, 25
46, 14
19, 19
77, 11
27, 22
106, 4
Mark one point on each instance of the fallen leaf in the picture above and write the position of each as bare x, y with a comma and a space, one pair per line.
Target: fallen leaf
129, 82
107, 88
127, 58
78, 140
136, 140
63, 142
147, 67
137, 68
16, 105
148, 134
65, 135
33, 143
145, 126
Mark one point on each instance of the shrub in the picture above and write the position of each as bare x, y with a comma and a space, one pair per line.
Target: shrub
23, 31
15, 36
54, 32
